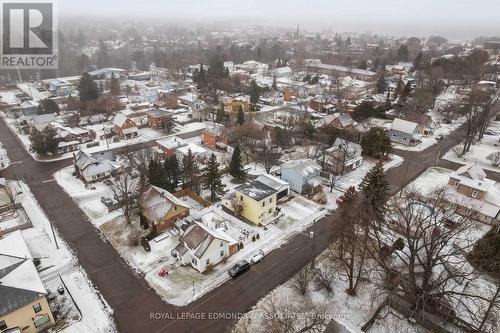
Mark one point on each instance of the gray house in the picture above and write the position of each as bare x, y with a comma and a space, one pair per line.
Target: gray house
405, 132
299, 173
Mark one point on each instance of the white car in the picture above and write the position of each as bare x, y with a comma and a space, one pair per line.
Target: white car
256, 258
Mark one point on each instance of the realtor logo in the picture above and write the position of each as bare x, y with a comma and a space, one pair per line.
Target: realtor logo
29, 34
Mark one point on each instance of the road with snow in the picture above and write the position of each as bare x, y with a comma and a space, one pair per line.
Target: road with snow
136, 306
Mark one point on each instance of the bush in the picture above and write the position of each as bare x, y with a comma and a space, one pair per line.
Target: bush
145, 244
92, 144
241, 246
253, 238
257, 236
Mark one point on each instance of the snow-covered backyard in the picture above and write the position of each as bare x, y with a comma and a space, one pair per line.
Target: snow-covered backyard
480, 150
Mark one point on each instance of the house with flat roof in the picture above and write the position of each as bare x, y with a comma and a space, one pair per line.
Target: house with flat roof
254, 201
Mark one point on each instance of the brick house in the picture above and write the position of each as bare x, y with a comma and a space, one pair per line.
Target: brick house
215, 136
158, 118
124, 127
168, 145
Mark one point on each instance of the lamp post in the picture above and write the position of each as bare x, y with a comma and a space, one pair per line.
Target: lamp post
312, 235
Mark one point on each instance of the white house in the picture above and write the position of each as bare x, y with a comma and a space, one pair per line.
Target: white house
91, 170
201, 246
405, 132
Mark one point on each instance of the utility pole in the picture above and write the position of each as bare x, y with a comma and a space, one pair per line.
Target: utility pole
312, 235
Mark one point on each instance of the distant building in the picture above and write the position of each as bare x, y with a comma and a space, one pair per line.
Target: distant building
342, 157
315, 65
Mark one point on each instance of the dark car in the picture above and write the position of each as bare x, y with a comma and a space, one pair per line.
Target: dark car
239, 268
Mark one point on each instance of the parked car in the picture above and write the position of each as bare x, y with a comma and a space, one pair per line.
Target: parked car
439, 137
239, 268
106, 201
256, 258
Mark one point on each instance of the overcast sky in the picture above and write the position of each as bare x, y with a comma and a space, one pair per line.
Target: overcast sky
455, 19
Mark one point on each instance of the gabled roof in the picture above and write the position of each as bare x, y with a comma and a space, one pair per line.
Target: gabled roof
404, 126
305, 168
472, 171
198, 238
19, 280
157, 202
120, 119
271, 181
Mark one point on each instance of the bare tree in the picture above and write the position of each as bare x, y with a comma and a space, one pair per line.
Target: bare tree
124, 190
301, 280
428, 268
267, 156
285, 315
324, 275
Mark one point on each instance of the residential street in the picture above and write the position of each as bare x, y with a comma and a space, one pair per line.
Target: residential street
131, 298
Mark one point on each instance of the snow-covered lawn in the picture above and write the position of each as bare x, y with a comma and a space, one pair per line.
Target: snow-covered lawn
479, 151
4, 159
59, 262
86, 197
442, 129
354, 177
352, 312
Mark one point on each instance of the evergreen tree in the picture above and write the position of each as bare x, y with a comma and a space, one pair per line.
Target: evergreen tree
241, 116
418, 62
212, 178
254, 94
48, 106
235, 166
403, 53
399, 89
37, 141
406, 91
375, 191
221, 114
87, 88
190, 172
376, 143
51, 142
171, 169
381, 84
115, 85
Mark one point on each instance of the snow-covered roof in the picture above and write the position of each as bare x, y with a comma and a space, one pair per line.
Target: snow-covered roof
119, 119
305, 168
404, 126
473, 171
20, 283
171, 142
271, 181
256, 190
157, 202
195, 149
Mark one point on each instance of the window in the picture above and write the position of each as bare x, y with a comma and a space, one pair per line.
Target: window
455, 183
474, 193
222, 253
193, 261
270, 210
221, 244
270, 200
208, 261
241, 197
42, 321
3, 325
37, 307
